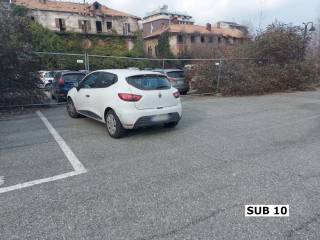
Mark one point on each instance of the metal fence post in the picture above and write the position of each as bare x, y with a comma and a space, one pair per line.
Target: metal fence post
88, 62
162, 63
85, 61
219, 75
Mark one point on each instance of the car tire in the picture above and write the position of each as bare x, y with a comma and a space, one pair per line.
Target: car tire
171, 124
71, 109
113, 125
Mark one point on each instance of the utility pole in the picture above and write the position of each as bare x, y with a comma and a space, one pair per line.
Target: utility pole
85, 42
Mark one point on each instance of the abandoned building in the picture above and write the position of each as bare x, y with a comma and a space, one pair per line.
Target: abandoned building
161, 17
184, 35
95, 18
231, 25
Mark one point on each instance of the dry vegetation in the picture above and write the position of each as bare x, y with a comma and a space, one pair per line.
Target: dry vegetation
276, 62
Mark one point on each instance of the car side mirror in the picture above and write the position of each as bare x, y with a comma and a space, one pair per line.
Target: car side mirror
77, 86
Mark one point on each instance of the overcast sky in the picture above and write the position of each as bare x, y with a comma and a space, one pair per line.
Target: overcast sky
242, 11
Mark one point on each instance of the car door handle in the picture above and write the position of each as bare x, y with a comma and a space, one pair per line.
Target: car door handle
87, 95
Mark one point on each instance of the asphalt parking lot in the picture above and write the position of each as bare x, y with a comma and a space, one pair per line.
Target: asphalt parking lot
191, 182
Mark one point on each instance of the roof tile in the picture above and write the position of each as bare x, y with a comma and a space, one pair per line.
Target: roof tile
69, 7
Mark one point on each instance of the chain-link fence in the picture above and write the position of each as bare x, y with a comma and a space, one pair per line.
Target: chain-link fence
204, 75
240, 76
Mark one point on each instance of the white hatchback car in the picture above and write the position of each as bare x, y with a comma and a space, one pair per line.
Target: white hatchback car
126, 99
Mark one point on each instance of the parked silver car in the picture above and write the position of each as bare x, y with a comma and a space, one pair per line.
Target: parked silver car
46, 78
177, 78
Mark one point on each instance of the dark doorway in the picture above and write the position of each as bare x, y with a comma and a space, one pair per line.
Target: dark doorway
99, 26
61, 24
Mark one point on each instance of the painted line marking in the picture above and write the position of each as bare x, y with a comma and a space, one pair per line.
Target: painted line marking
74, 161
37, 182
76, 164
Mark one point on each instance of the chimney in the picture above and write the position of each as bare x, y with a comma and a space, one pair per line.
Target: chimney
209, 27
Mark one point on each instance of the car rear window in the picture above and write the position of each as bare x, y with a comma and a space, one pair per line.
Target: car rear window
176, 74
149, 82
73, 77
48, 75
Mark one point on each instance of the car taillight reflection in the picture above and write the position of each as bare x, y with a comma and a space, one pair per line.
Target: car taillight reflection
61, 81
128, 97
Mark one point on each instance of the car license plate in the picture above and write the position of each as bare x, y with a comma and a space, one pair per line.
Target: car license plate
160, 118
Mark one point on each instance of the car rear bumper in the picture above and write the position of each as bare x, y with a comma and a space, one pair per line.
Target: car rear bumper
149, 120
142, 118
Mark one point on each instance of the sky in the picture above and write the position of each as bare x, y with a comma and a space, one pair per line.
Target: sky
253, 12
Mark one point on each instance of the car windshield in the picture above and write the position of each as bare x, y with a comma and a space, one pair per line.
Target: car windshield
73, 77
176, 74
149, 82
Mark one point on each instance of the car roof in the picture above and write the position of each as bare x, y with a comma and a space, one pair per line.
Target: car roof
72, 72
128, 72
173, 70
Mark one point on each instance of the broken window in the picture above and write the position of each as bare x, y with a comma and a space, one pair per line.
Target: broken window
61, 24
180, 39
109, 25
85, 25
150, 51
156, 50
129, 28
193, 38
99, 26
126, 28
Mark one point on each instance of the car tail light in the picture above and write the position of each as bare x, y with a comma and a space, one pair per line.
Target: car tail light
128, 97
61, 81
176, 94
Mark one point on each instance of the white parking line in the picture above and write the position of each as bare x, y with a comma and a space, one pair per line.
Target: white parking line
76, 164
37, 182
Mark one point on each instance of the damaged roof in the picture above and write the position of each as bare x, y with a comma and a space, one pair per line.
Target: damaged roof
79, 8
194, 29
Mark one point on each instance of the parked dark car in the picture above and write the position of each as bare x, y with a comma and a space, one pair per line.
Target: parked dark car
177, 78
64, 81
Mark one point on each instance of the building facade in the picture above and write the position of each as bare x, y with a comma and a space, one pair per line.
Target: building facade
93, 18
189, 38
161, 17
184, 35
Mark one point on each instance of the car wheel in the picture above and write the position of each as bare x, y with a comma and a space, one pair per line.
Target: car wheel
71, 109
171, 124
113, 124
